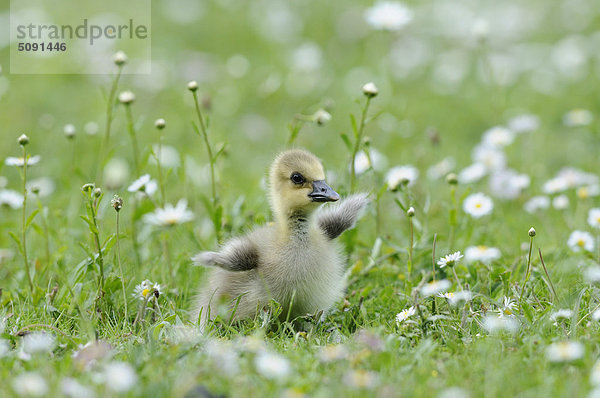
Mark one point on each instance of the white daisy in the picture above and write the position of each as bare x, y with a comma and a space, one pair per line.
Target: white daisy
399, 174
592, 274
578, 117
170, 215
116, 173
560, 202
388, 15
441, 169
595, 374
561, 314
333, 352
450, 260
508, 184
272, 365
405, 314
146, 289
20, 162
564, 351
478, 205
588, 191
120, 377
43, 185
498, 137
481, 253
361, 379
363, 162
455, 298
435, 287
594, 218
126, 97
494, 324
492, 158
508, 307
524, 123
30, 384
169, 156
74, 389
141, 184
38, 342
537, 203
472, 173
581, 240
10, 198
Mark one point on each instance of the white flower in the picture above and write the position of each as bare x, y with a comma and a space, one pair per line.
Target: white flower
223, 356
594, 218
333, 352
524, 123
478, 205
450, 260
561, 314
508, 307
399, 174
146, 288
564, 351
30, 384
472, 173
20, 162
495, 324
596, 315
537, 203
11, 198
44, 186
143, 184
370, 89
91, 128
567, 178
116, 173
581, 240
170, 215
5, 254
321, 116
578, 117
492, 158
588, 191
126, 97
120, 58
388, 15
361, 379
560, 202
481, 253
441, 169
508, 184
592, 274
69, 130
455, 298
168, 156
38, 342
405, 314
498, 137
74, 389
375, 159
272, 365
119, 376
435, 287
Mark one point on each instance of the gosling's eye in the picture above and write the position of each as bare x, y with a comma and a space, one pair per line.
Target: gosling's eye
297, 178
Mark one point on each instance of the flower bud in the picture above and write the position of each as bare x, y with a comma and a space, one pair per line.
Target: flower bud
321, 117
120, 58
126, 97
87, 187
97, 192
192, 86
160, 123
532, 232
23, 140
452, 179
410, 212
35, 189
370, 90
69, 131
117, 203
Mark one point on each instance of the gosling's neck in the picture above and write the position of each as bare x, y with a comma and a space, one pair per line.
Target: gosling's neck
294, 224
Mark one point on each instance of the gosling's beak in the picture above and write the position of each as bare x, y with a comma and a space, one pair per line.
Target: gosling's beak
323, 192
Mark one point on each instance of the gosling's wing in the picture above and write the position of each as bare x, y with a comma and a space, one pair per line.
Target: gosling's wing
342, 216
239, 254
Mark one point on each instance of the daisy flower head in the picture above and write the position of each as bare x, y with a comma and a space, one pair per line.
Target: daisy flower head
478, 205
405, 314
272, 365
592, 274
594, 218
435, 287
10, 198
20, 161
363, 162
143, 184
581, 241
561, 202
508, 307
455, 298
508, 184
496, 324
30, 384
126, 97
441, 169
146, 289
491, 157
388, 15
401, 175
120, 377
481, 253
536, 204
450, 260
524, 123
561, 314
170, 215
578, 118
472, 173
565, 351
498, 137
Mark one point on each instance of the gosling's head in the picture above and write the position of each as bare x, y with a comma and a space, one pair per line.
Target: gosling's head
298, 183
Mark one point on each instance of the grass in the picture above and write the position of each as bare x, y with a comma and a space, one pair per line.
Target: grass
224, 136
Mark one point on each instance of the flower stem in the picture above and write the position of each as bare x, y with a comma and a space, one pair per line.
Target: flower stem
121, 271
358, 138
528, 268
109, 117
131, 130
24, 221
208, 149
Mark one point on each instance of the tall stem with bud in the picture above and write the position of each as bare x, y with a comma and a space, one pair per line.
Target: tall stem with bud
370, 91
527, 272
23, 141
117, 204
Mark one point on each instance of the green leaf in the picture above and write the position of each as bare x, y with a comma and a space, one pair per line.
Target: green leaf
354, 125
346, 141
17, 240
90, 224
31, 217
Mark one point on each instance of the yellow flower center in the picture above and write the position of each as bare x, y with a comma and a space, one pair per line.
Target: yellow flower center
507, 311
598, 219
582, 193
482, 247
581, 243
145, 292
478, 205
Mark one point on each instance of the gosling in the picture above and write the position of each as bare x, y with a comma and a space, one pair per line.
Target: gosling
294, 260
